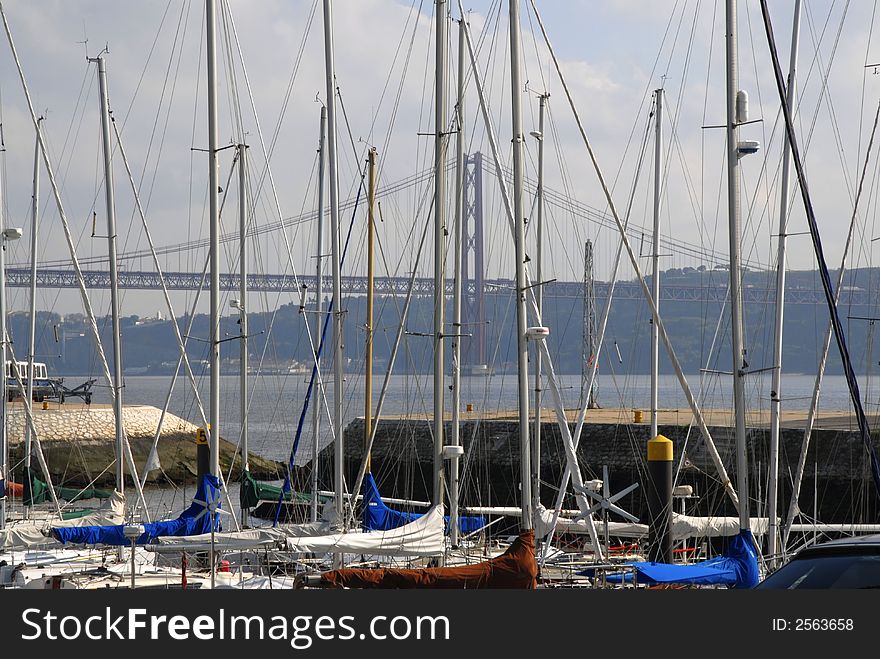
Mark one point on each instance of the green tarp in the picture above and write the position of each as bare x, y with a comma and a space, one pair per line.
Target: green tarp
252, 492
37, 491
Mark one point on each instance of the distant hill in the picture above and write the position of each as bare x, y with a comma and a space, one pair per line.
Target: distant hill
149, 344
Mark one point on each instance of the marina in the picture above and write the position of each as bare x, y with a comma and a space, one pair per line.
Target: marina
446, 343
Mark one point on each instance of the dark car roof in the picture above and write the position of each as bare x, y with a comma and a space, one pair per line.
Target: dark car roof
858, 542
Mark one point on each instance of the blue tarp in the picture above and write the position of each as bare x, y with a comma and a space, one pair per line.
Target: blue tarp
379, 517
190, 522
736, 568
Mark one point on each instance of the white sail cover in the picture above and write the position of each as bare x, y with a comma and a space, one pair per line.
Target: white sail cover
689, 526
683, 526
423, 537
24, 534
544, 522
247, 539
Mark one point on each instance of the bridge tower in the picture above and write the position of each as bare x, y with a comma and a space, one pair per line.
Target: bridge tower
474, 360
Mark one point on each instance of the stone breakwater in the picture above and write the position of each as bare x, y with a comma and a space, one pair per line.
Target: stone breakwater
402, 463
79, 444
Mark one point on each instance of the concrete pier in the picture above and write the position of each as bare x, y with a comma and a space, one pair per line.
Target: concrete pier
401, 459
78, 442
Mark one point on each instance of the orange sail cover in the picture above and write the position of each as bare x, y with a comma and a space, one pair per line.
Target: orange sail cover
515, 568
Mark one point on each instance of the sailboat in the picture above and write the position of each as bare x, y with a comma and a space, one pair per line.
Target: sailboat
516, 567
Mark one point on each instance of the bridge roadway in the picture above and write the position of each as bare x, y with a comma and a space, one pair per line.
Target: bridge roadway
423, 286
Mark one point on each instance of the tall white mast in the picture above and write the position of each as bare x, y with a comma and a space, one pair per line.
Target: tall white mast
776, 386
4, 440
243, 311
457, 283
655, 256
539, 299
369, 327
735, 230
336, 257
214, 221
32, 336
319, 319
440, 137
520, 239
114, 286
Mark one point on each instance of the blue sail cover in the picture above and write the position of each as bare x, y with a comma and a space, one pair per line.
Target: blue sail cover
192, 521
735, 568
379, 517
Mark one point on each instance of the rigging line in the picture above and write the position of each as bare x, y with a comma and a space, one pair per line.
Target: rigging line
290, 221
567, 473
317, 353
865, 76
69, 239
196, 97
233, 97
674, 122
265, 296
180, 343
674, 39
391, 360
291, 82
167, 121
826, 89
268, 170
635, 264
271, 325
174, 47
149, 57
864, 429
180, 358
288, 478
590, 213
391, 70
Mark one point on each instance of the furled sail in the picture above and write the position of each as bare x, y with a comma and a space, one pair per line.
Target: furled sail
422, 537
683, 526
379, 517
515, 568
30, 533
194, 520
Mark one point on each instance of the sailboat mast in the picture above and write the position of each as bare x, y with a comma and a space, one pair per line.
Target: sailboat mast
243, 312
114, 278
457, 288
368, 358
655, 257
32, 300
336, 248
776, 385
214, 222
735, 230
319, 303
440, 137
539, 300
520, 238
4, 439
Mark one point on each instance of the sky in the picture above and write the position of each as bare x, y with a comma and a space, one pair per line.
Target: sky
613, 54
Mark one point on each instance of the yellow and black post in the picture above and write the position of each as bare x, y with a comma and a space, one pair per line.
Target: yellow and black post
660, 499
203, 453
